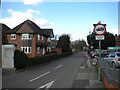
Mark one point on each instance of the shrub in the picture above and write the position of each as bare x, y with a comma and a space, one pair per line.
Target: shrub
46, 58
20, 59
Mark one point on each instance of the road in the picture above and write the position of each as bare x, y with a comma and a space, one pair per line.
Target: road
55, 74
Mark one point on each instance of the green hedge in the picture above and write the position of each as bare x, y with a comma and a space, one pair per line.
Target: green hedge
46, 58
22, 61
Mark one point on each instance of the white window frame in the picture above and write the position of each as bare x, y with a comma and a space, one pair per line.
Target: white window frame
13, 36
49, 39
49, 49
26, 49
42, 37
38, 37
43, 51
38, 49
26, 36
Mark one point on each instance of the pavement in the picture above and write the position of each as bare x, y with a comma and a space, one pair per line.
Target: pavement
87, 76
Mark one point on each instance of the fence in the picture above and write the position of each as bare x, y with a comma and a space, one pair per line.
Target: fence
112, 74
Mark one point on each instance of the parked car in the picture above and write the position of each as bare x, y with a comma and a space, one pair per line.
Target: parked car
113, 59
96, 59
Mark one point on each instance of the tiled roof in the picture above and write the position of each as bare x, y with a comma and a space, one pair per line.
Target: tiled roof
48, 32
27, 27
4, 27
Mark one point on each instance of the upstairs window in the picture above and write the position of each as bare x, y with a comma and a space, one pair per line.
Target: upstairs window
38, 36
26, 36
42, 37
49, 39
13, 36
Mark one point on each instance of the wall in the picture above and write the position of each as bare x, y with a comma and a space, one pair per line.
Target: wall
110, 75
107, 84
8, 56
58, 50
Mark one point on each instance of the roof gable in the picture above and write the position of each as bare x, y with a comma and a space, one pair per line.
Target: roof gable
25, 28
30, 27
48, 32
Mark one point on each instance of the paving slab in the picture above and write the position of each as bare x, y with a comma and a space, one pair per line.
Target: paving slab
82, 76
80, 83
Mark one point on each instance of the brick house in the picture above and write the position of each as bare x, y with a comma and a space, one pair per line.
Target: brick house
118, 40
30, 38
54, 48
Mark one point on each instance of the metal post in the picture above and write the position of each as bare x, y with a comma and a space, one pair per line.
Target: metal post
99, 68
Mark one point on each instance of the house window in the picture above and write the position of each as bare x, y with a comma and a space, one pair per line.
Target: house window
49, 39
38, 36
38, 49
26, 49
42, 37
13, 36
26, 36
48, 49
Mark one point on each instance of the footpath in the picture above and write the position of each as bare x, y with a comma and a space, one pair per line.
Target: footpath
87, 77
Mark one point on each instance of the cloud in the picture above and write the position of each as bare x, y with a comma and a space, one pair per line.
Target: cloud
18, 17
33, 11
32, 2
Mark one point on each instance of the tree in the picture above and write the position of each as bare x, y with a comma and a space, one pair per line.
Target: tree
108, 42
78, 44
64, 43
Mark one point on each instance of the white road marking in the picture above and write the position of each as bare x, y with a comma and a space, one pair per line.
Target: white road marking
59, 66
39, 76
46, 86
82, 67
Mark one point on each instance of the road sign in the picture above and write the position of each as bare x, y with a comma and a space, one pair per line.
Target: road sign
113, 48
99, 29
99, 37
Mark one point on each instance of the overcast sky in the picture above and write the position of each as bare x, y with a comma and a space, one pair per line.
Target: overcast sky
75, 18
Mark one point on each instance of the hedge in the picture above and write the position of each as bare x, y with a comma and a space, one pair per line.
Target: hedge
46, 58
22, 61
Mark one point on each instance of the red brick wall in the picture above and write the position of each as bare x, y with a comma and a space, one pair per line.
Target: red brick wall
45, 39
33, 45
18, 43
118, 40
58, 50
17, 40
109, 86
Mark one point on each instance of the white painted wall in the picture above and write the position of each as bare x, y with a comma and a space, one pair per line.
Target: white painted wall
8, 56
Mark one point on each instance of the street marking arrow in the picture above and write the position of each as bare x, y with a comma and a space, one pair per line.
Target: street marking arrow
46, 86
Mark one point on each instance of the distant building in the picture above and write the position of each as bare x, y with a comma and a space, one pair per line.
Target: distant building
118, 40
30, 38
54, 48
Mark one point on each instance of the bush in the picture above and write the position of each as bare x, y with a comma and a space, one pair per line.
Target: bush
46, 58
20, 60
